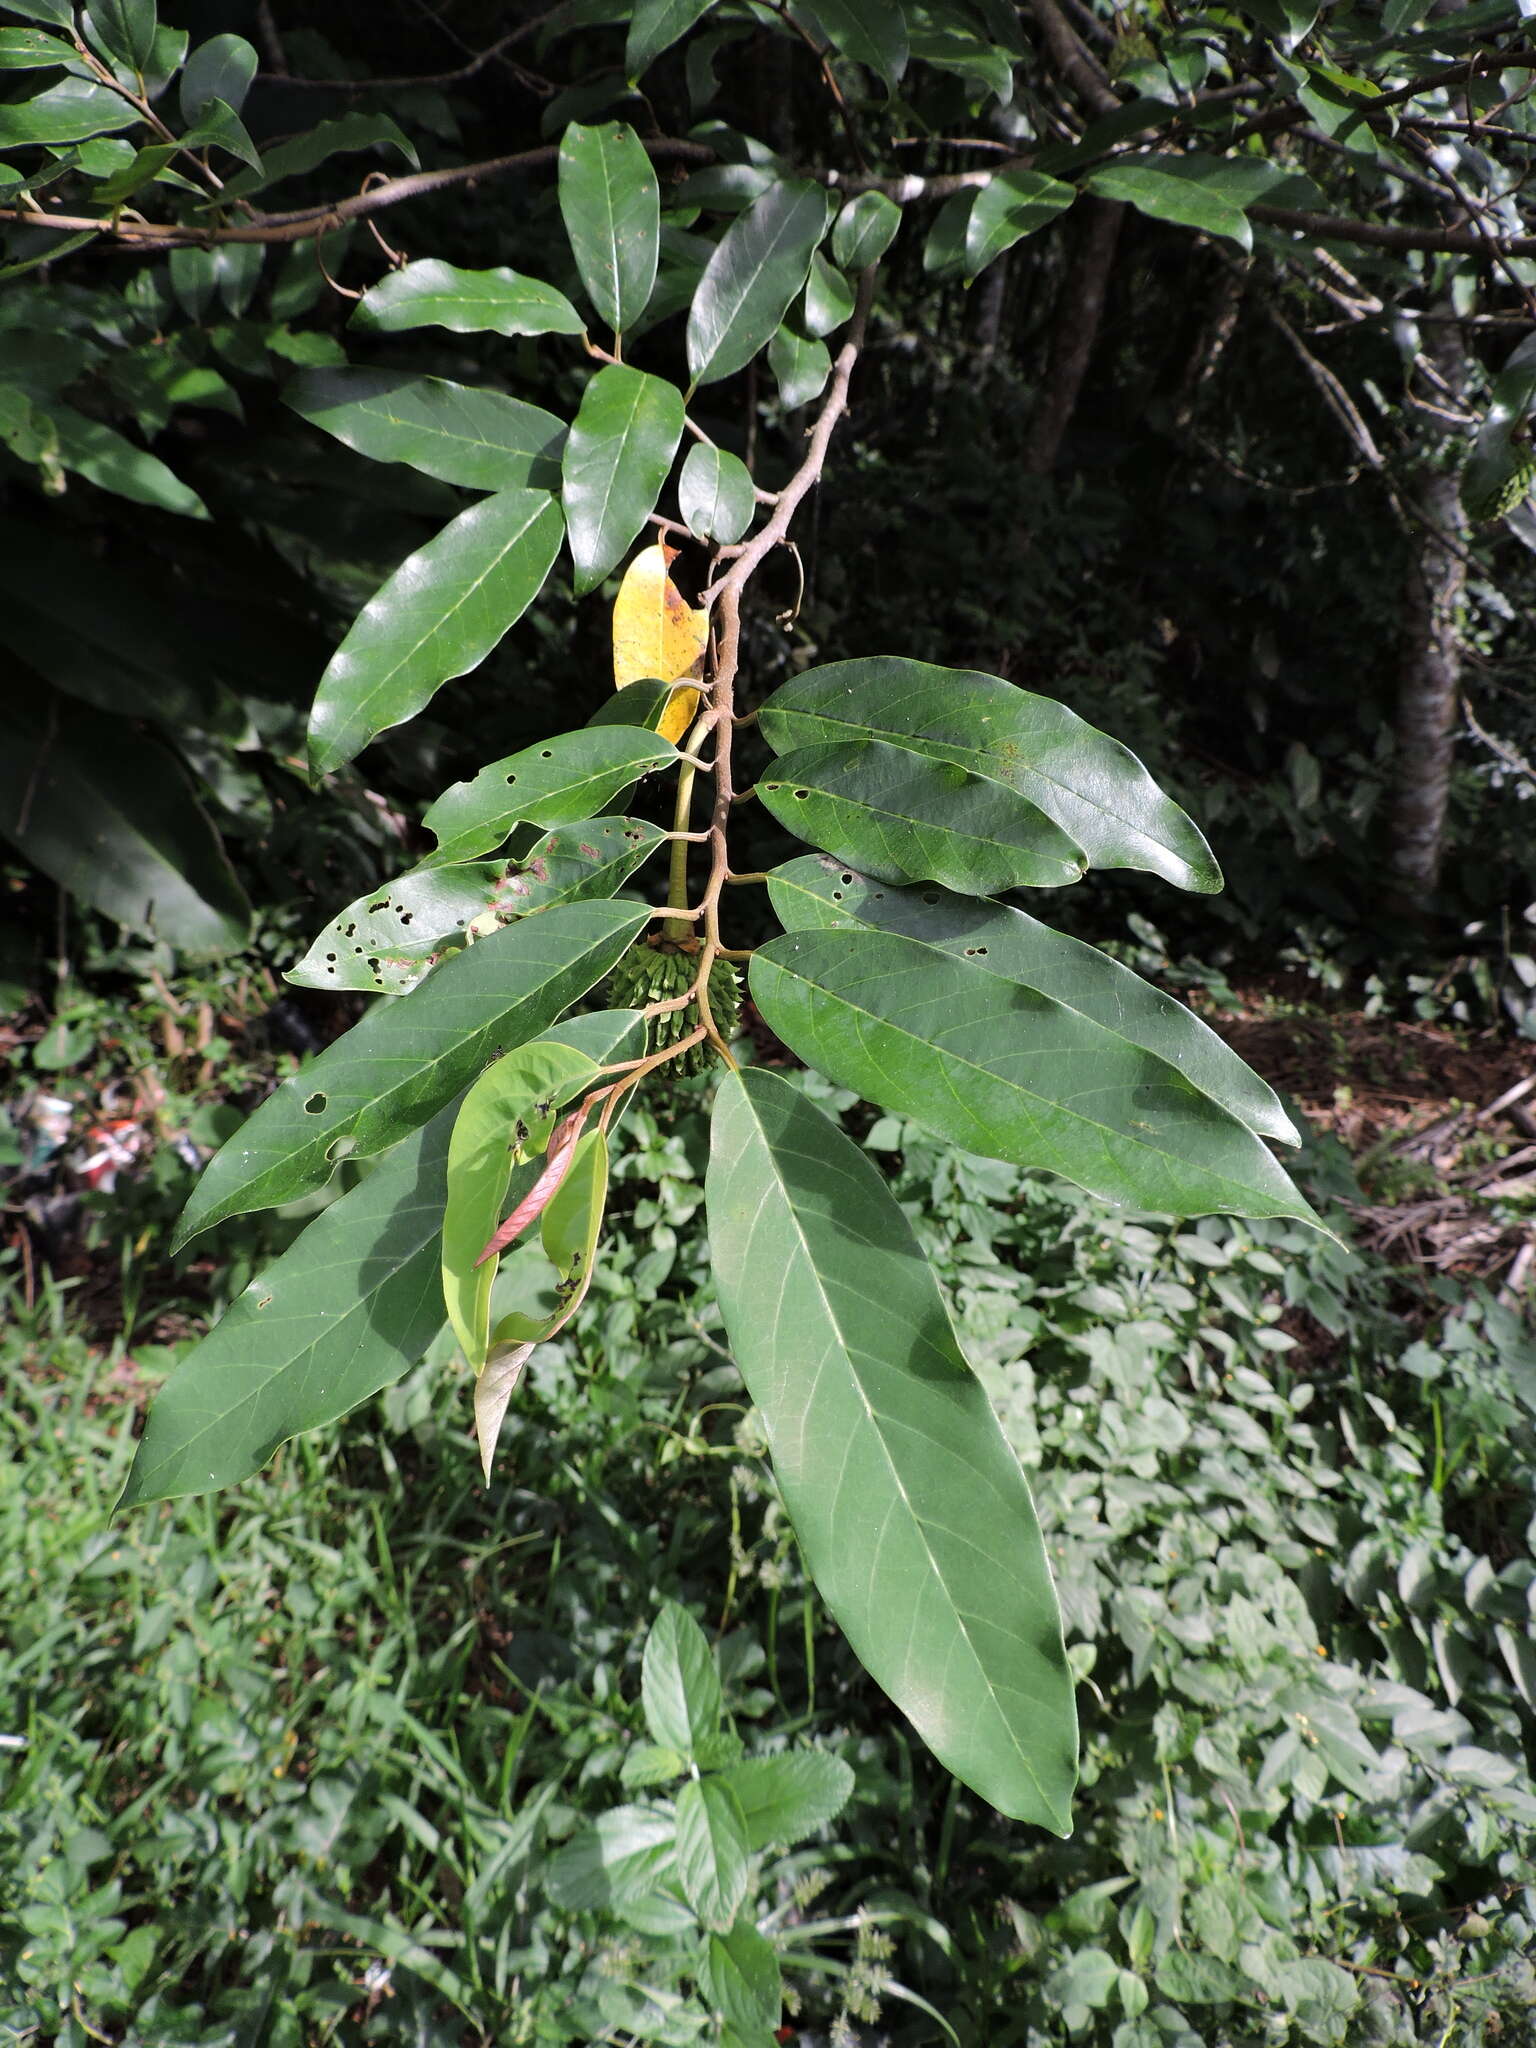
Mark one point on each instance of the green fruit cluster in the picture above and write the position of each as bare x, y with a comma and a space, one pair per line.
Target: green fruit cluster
651, 974
1499, 497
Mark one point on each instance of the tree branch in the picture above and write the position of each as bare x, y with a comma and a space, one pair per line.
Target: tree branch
1374, 234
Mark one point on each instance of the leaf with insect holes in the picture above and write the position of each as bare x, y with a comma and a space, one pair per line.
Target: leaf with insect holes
568, 777
657, 633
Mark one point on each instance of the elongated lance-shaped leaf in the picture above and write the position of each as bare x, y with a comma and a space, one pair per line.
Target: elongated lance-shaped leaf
905, 817
911, 1510
436, 294
388, 941
464, 435
348, 1309
656, 26
611, 204
815, 894
1003, 1070
759, 265
395, 1069
1165, 193
616, 461
437, 617
1013, 205
872, 32
565, 778
1095, 789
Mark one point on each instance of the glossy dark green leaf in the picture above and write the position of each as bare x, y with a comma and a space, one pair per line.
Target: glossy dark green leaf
872, 32
944, 250
909, 1506
828, 298
316, 145
436, 294
643, 704
1001, 1069
109, 814
713, 1861
903, 816
742, 1973
127, 28
437, 617
679, 1685
67, 112
1154, 190
33, 49
864, 230
1015, 204
786, 1797
954, 45
220, 127
715, 494
146, 165
656, 26
800, 367
387, 942
1095, 789
611, 204
757, 269
814, 893
220, 69
616, 461
393, 1071
568, 777
462, 433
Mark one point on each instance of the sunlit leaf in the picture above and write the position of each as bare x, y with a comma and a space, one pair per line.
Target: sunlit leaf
712, 1854
1013, 205
1163, 194
800, 367
655, 27
462, 433
864, 230
657, 633
679, 1685
611, 204
432, 293
872, 32
616, 461
785, 1797
570, 777
758, 267
715, 494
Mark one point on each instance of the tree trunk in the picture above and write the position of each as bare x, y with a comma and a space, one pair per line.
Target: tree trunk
1078, 311
1429, 678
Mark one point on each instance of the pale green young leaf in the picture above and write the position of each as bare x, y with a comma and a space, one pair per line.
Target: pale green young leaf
814, 893
396, 1068
431, 293
611, 204
616, 461
388, 941
864, 230
437, 617
712, 1853
655, 27
1094, 788
759, 265
1000, 1069
910, 1508
348, 1309
715, 494
571, 776
1013, 205
679, 1685
800, 367
902, 816
626, 1853
786, 1797
461, 433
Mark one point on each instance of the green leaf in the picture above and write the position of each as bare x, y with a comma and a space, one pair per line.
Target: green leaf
127, 28
616, 461
436, 294
814, 894
145, 165
908, 1504
60, 12
741, 1973
864, 230
220, 69
1000, 1069
712, 1854
784, 1798
625, 1854
437, 617
828, 298
715, 494
679, 1685
656, 26
387, 942
1497, 474
1095, 789
396, 1069
110, 816
903, 816
113, 463
570, 776
66, 112
32, 49
944, 250
221, 127
872, 32
611, 204
800, 367
1015, 204
462, 433
759, 265
644, 704
347, 1310
954, 46
316, 145
1148, 184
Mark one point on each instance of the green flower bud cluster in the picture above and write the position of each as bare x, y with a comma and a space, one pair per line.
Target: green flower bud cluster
1499, 496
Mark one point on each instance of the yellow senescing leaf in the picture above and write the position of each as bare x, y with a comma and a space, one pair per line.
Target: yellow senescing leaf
658, 634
